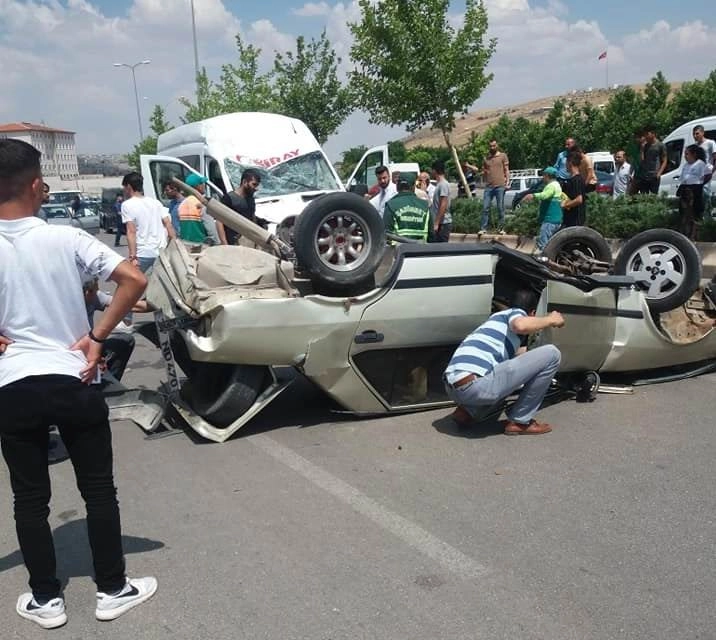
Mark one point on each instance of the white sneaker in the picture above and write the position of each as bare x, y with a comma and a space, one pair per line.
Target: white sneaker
134, 592
48, 616
123, 327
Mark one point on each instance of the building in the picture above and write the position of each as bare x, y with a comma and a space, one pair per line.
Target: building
59, 154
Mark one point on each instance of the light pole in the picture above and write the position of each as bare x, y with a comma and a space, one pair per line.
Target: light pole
132, 67
196, 50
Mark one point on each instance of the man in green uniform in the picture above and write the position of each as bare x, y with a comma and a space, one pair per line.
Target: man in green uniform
405, 214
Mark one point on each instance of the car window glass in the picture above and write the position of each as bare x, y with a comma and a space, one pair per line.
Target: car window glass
163, 170
366, 172
192, 161
214, 174
515, 184
674, 152
405, 377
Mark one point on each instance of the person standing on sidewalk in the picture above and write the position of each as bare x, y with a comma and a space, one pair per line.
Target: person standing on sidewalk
550, 207
490, 364
441, 218
496, 173
622, 174
653, 162
46, 367
709, 147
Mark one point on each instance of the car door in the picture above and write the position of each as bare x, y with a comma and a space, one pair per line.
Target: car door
158, 169
590, 322
363, 176
405, 338
669, 182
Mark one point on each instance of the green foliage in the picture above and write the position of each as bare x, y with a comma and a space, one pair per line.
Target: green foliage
621, 218
607, 128
158, 125
396, 151
240, 88
307, 86
410, 62
303, 84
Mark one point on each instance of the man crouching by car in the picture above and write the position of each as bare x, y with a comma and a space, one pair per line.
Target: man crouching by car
490, 364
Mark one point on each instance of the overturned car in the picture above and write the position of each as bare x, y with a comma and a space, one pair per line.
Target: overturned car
374, 324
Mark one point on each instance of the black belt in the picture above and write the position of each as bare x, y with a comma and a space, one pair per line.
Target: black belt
463, 381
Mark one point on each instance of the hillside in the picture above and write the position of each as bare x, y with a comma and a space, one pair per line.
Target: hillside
537, 110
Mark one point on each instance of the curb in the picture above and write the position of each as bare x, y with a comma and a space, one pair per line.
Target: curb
527, 245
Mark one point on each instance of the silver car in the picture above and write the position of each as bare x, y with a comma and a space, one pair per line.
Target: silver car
232, 315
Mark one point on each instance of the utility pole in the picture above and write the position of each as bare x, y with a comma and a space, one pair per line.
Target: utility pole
196, 50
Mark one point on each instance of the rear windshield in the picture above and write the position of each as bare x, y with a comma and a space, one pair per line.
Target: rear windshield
309, 172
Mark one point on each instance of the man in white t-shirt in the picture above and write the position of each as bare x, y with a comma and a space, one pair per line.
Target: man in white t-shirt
622, 174
148, 223
386, 189
48, 360
709, 147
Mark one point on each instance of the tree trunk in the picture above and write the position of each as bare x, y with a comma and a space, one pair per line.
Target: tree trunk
458, 166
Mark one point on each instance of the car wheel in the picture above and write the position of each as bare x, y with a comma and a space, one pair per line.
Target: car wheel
222, 393
665, 264
588, 241
339, 241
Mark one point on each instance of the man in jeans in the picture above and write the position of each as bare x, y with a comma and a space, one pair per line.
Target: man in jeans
490, 364
496, 173
148, 223
47, 366
653, 162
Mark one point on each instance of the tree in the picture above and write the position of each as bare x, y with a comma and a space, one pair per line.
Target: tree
307, 87
693, 100
158, 124
655, 103
349, 159
240, 88
414, 71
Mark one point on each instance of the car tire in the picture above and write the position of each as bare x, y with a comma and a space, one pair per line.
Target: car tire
222, 393
586, 240
665, 264
339, 242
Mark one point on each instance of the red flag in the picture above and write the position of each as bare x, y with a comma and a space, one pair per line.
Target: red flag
602, 55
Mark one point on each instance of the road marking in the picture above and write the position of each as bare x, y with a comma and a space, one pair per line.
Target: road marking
412, 534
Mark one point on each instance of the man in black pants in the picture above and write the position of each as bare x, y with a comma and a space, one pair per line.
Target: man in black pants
47, 366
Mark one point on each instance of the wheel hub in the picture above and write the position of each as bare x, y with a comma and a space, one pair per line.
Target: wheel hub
659, 267
341, 241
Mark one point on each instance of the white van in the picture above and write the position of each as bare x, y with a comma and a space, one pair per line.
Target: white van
676, 142
293, 168
602, 161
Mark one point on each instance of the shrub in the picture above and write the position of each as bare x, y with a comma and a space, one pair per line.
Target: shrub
621, 218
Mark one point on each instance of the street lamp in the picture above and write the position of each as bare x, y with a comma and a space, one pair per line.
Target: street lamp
132, 67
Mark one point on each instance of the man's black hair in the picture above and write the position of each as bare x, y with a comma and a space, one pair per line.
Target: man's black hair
525, 299
380, 169
574, 158
698, 127
650, 128
250, 174
19, 166
439, 167
698, 152
134, 180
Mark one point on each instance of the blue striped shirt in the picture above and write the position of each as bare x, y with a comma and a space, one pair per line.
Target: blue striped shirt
488, 345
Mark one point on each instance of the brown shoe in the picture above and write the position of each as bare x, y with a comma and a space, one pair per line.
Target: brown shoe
534, 428
461, 416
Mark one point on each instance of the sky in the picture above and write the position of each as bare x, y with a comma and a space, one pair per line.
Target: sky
56, 56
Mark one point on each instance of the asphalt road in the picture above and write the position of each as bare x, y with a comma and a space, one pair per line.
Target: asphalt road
313, 526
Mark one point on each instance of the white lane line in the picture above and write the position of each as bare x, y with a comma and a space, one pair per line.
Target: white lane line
415, 536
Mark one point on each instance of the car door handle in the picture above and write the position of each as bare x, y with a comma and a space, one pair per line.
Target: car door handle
369, 336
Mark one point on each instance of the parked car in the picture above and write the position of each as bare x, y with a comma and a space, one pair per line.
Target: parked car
58, 214
374, 325
108, 217
520, 181
88, 219
605, 186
